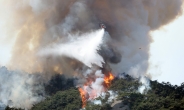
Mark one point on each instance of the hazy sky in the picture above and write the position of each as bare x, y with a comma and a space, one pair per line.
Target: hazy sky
167, 53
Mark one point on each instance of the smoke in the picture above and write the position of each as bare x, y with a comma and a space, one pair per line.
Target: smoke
43, 23
63, 36
145, 85
18, 89
110, 96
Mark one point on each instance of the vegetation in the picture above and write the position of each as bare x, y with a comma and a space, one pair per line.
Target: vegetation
125, 85
62, 100
9, 108
98, 107
58, 83
161, 96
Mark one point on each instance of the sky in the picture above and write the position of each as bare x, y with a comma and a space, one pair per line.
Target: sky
167, 53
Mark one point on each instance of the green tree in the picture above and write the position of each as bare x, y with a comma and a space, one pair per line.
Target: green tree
62, 100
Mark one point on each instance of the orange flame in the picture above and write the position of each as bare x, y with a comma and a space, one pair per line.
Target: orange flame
108, 78
83, 96
107, 82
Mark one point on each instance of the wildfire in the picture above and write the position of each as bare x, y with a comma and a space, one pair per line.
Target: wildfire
83, 96
108, 78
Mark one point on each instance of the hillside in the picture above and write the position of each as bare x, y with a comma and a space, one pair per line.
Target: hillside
161, 96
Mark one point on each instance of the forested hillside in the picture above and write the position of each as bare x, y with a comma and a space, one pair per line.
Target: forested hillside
161, 96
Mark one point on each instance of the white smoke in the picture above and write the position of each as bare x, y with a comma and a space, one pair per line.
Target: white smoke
110, 96
145, 85
18, 89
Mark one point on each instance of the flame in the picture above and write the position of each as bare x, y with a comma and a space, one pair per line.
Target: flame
108, 78
83, 96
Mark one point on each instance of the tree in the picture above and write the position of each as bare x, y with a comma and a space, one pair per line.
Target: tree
62, 100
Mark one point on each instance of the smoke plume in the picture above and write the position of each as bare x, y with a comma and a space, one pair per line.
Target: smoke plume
18, 89
63, 36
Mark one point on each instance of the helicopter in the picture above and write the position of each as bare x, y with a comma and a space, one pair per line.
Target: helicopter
102, 25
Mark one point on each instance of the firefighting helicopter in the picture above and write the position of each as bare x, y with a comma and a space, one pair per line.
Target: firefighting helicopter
102, 25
